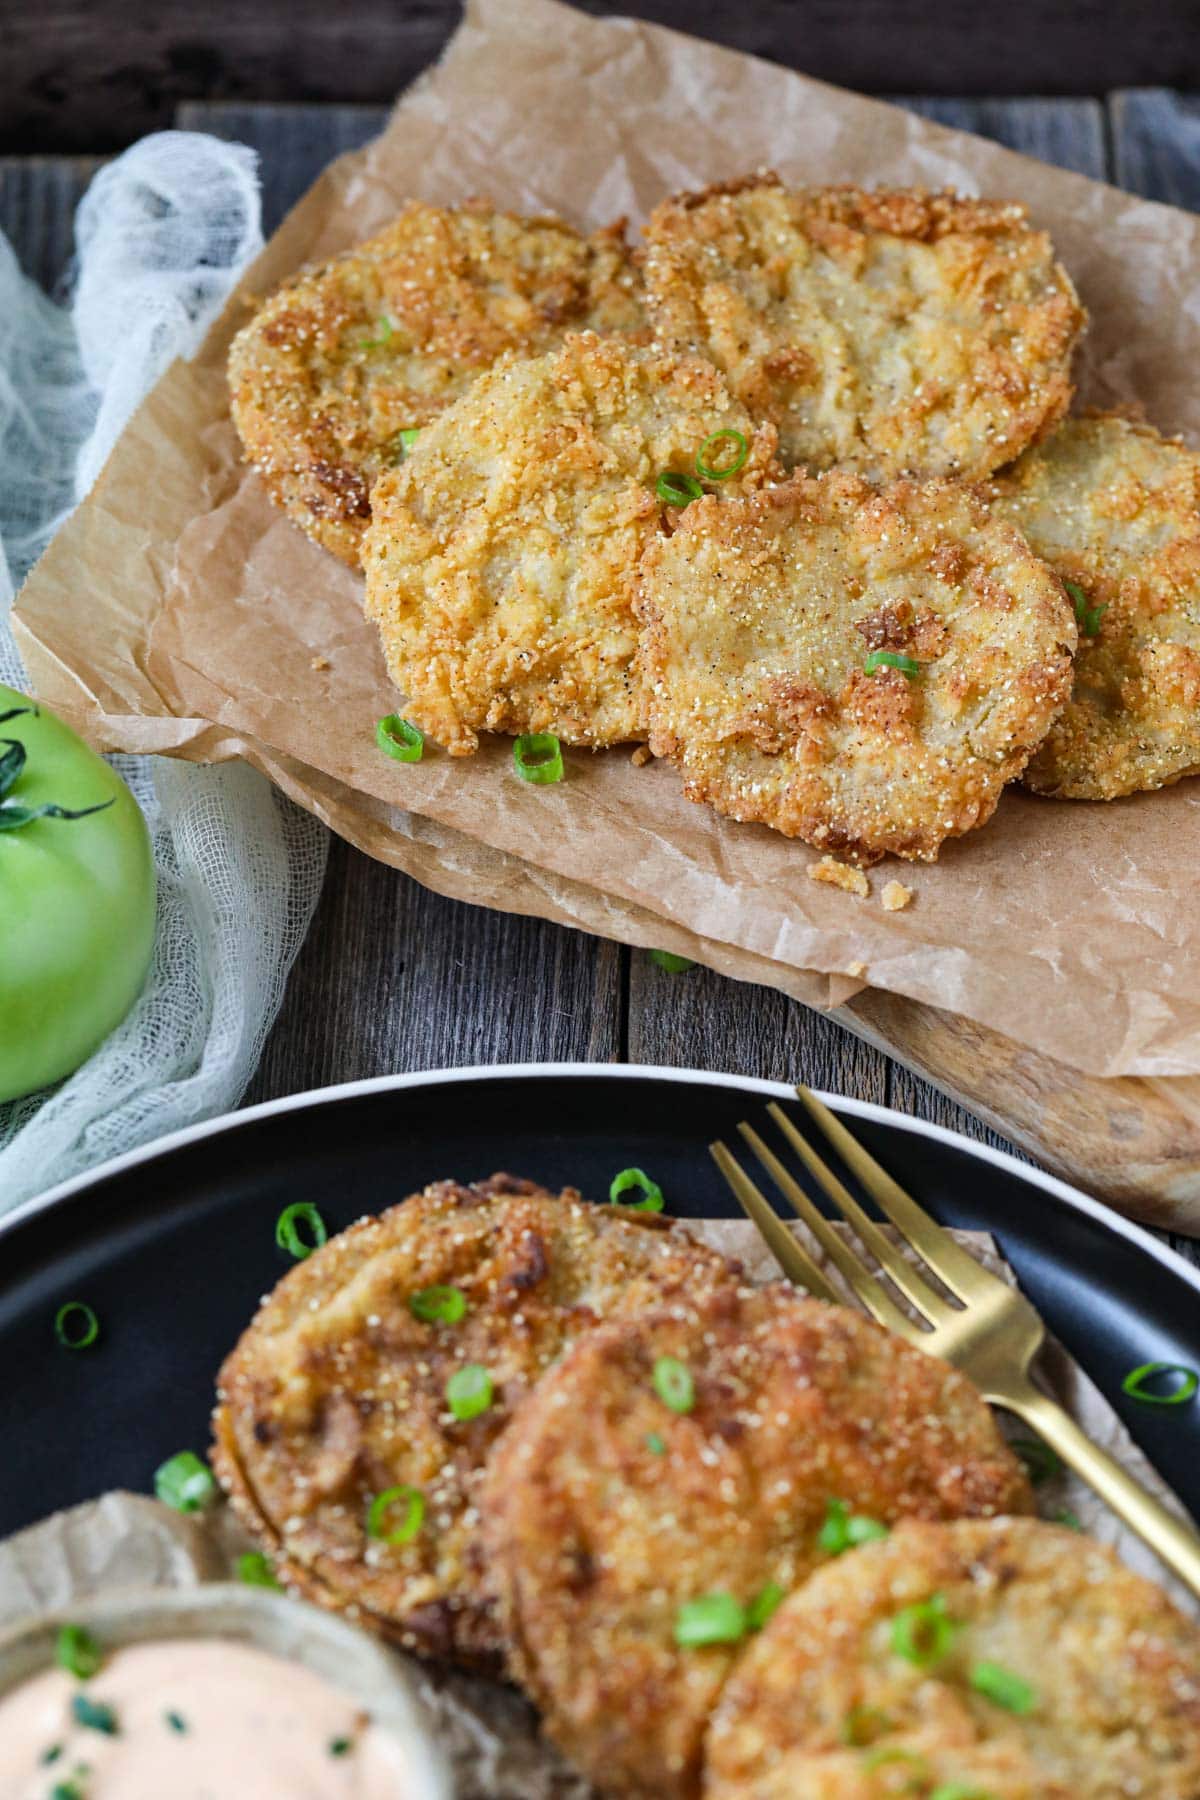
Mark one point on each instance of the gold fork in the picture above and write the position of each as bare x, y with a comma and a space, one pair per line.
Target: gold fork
993, 1334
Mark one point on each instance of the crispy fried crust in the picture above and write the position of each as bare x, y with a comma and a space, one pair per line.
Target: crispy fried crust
342, 359
596, 1536
760, 616
896, 332
336, 1392
1116, 509
502, 555
1115, 1672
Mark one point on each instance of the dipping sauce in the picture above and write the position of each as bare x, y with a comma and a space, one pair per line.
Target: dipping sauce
194, 1719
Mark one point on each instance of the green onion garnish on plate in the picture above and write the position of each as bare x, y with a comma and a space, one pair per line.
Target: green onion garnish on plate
891, 659
844, 1530
667, 959
76, 1326
411, 1499
287, 1230
438, 1305
400, 740
1136, 1383
470, 1391
1087, 615
176, 1722
673, 489
711, 1619
408, 437
1072, 1520
94, 1715
76, 1651
1040, 1460
538, 758
255, 1570
705, 466
920, 1768
383, 335
922, 1633
651, 1194
959, 1790
340, 1746
1003, 1687
673, 1384
185, 1482
764, 1605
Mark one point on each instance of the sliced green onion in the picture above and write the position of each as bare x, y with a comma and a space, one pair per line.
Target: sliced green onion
68, 1790
413, 1502
400, 740
1040, 1460
255, 1570
1134, 1383
673, 489
176, 1721
469, 1391
712, 1619
76, 1325
384, 328
667, 959
94, 1715
652, 1194
958, 1790
862, 1725
1088, 616
741, 452
656, 1444
408, 437
538, 758
51, 1754
764, 1605
674, 1385
184, 1482
1003, 1687
922, 1633
438, 1305
340, 1746
287, 1230
77, 1651
1072, 1520
890, 659
843, 1529
878, 1758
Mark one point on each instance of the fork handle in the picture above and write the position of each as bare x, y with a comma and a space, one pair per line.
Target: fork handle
1175, 1543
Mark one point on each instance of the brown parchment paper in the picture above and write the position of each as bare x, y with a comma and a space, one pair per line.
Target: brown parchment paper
126, 1540
178, 612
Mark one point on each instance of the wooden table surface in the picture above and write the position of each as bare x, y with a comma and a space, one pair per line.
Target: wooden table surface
392, 977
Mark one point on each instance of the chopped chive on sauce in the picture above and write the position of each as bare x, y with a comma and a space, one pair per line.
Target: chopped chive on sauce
651, 1194
94, 1715
51, 1753
537, 756
68, 1790
673, 1384
185, 1482
673, 489
721, 466
922, 1633
340, 1746
288, 1234
711, 1619
1041, 1462
76, 1326
1137, 1383
1003, 1687
891, 659
438, 1305
1088, 616
176, 1722
764, 1605
412, 1502
667, 959
656, 1444
470, 1391
399, 739
77, 1651
864, 1725
255, 1570
843, 1530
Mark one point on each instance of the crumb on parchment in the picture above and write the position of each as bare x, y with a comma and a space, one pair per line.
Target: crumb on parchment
896, 896
839, 874
856, 969
641, 756
320, 662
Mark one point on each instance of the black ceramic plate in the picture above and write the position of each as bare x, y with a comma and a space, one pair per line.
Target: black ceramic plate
173, 1246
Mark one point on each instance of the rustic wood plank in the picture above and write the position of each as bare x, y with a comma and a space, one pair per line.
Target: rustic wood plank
38, 197
1156, 145
294, 143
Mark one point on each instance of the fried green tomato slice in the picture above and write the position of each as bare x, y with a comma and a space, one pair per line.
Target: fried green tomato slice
895, 332
864, 669
1004, 1658
502, 555
340, 1390
678, 1467
344, 358
1115, 508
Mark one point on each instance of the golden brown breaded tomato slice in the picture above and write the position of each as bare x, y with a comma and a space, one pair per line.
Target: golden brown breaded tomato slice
897, 332
694, 1450
340, 361
1116, 509
864, 669
336, 1393
1016, 1659
502, 556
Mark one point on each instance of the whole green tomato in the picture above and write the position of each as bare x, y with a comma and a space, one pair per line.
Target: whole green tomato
76, 898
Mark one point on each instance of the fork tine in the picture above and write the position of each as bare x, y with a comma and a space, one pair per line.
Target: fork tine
852, 1269
960, 1272
791, 1256
931, 1304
